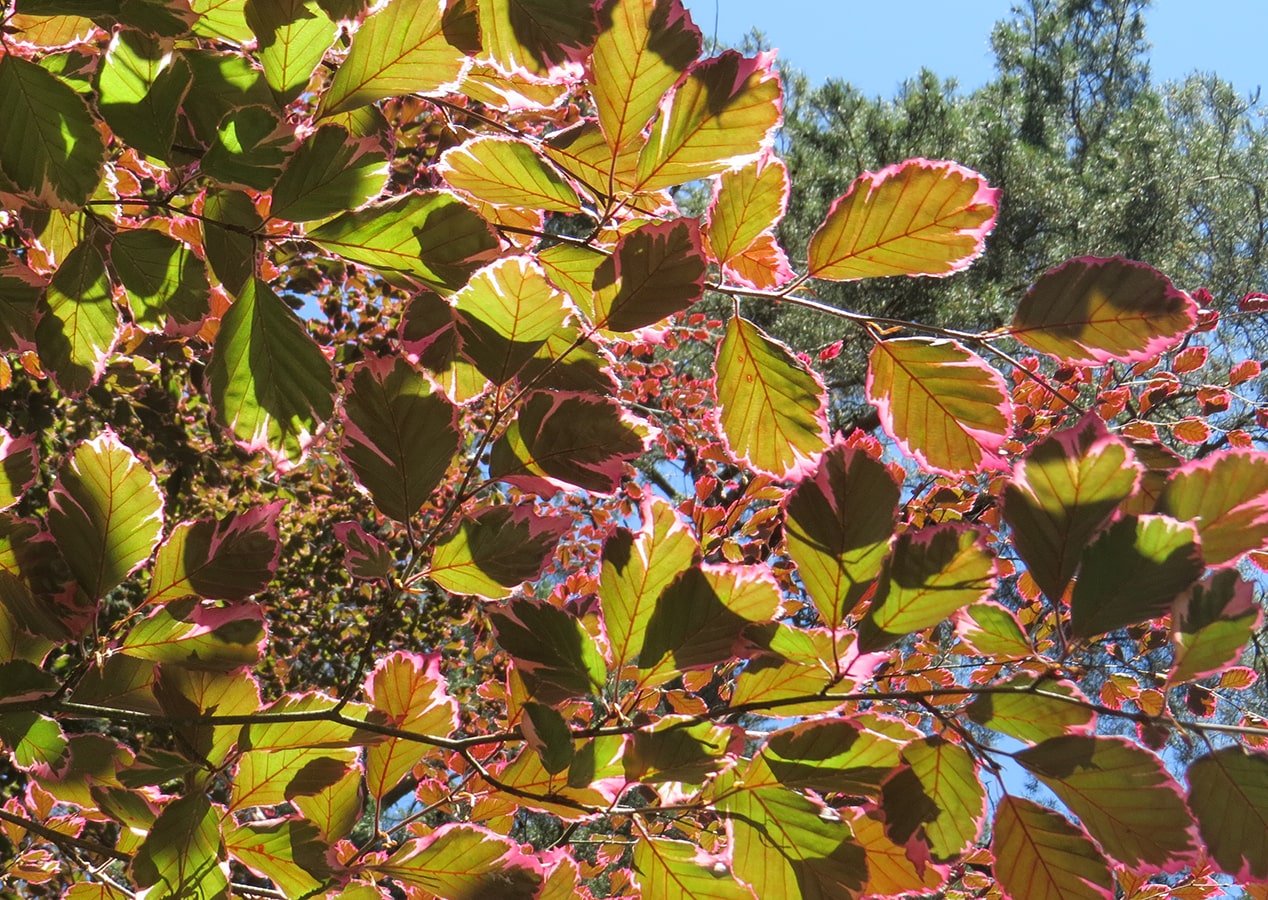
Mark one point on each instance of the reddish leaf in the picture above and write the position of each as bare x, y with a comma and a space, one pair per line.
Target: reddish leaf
411, 692
1039, 855
655, 271
364, 555
199, 634
458, 861
226, 560
1226, 496
763, 265
1244, 371
992, 630
1228, 792
1190, 359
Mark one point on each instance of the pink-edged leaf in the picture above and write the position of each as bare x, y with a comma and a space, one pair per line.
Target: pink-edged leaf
183, 855
560, 440
291, 38
19, 466
992, 630
894, 870
199, 634
593, 782
552, 650
919, 217
677, 749
274, 777
932, 573
795, 663
746, 203
78, 323
330, 171
495, 551
33, 586
458, 862
1228, 793
411, 691
317, 728
1124, 796
838, 523
188, 693
772, 408
507, 172
230, 559
21, 291
763, 265
1211, 625
721, 117
1040, 855
1225, 495
936, 795
1092, 310
532, 36
837, 755
942, 403
336, 808
655, 271
1034, 711
642, 51
364, 555
36, 742
289, 852
106, 512
547, 734
583, 151
665, 868
399, 436
1132, 573
1061, 494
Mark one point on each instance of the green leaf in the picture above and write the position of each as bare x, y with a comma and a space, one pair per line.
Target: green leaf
228, 217
164, 278
410, 691
19, 467
398, 436
289, 852
141, 85
34, 740
429, 238
719, 118
494, 552
507, 172
230, 559
666, 868
1212, 624
106, 513
938, 795
655, 271
838, 523
1122, 794
571, 268
78, 323
746, 203
1225, 496
1061, 494
552, 650
1132, 573
250, 146
336, 808
793, 663
50, 148
547, 733
1228, 793
676, 749
271, 386
993, 630
771, 407
402, 49
1039, 855
583, 152
642, 51
943, 404
535, 34
329, 172
199, 634
182, 857
1090, 311
458, 862
222, 19
1034, 711
317, 729
274, 777
932, 573
829, 756
188, 694
21, 290
292, 36
223, 83
919, 217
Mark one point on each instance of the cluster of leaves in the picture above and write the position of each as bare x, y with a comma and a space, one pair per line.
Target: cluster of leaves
593, 622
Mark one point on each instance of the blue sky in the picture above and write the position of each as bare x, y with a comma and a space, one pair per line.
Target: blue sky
876, 45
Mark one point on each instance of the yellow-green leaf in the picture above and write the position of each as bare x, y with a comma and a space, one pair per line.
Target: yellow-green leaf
507, 172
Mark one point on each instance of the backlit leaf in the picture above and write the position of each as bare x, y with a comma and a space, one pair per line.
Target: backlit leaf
141, 85
291, 38
762, 265
186, 693
365, 556
223, 84
829, 755
106, 513
937, 794
230, 559
19, 466
21, 290
583, 151
34, 740
411, 691
891, 871
535, 35
336, 808
274, 777
199, 634
546, 732
508, 172
250, 146
165, 280
78, 323
793, 663
1034, 711
222, 19
551, 648
919, 217
458, 862
494, 552
676, 749
666, 868
330, 171
183, 855
771, 407
746, 203
655, 271
1039, 855
229, 217
942, 403
1225, 496
993, 630
316, 728
1092, 310
1211, 625
1228, 793
289, 852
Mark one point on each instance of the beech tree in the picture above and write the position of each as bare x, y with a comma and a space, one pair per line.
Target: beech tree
471, 579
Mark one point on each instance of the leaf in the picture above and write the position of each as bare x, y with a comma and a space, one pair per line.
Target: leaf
655, 271
460, 861
269, 382
141, 85
411, 692
507, 172
228, 219
289, 852
676, 749
1211, 625
199, 634
183, 855
891, 871
164, 278
36, 741
771, 407
943, 404
547, 733
642, 51
292, 36
401, 49
1033, 711
594, 781
1132, 573
932, 573
919, 217
1123, 795
828, 755
534, 35
993, 630
1228, 793
583, 152
746, 204
763, 265
399, 437
336, 808
1225, 496
222, 19
561, 440
365, 556
19, 466
329, 172
21, 291
838, 523
106, 513
50, 148
495, 551
78, 323
190, 693
273, 777
1092, 310
666, 868
250, 145
230, 559
430, 238
551, 649
793, 663
223, 84
317, 728
1039, 855
937, 795
1061, 494
721, 117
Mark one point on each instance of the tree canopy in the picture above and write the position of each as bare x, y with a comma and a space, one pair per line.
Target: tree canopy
386, 512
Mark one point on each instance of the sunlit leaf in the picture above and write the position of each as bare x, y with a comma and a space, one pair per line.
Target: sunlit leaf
199, 634
410, 690
458, 861
142, 83
942, 403
1034, 711
78, 323
34, 740
547, 733
676, 749
187, 693
229, 219
1211, 625
919, 217
1092, 310
336, 808
937, 794
534, 35
829, 755
165, 280
655, 271
763, 265
183, 856
593, 781
666, 868
993, 630
1228, 793
274, 777
365, 556
289, 852
1039, 855
791, 666
21, 290
891, 871
494, 552
19, 466
1225, 496
329, 172
509, 172
249, 149
311, 724
551, 648
583, 151
223, 83
230, 559
291, 38
746, 203
222, 19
